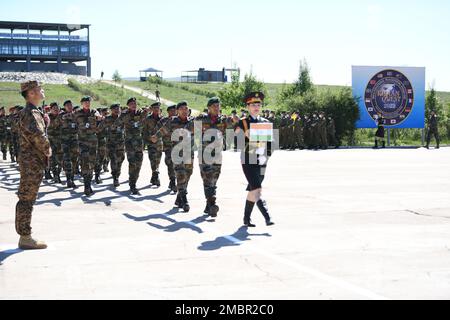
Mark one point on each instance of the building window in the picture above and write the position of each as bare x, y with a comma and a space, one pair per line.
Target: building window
34, 50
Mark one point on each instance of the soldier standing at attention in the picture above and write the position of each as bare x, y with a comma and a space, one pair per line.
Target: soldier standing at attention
101, 149
254, 159
155, 149
214, 128
133, 120
433, 129
54, 135
322, 131
3, 132
87, 141
69, 143
35, 152
115, 141
14, 123
181, 129
167, 148
331, 132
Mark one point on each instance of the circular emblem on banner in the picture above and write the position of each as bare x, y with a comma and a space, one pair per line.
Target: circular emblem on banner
390, 94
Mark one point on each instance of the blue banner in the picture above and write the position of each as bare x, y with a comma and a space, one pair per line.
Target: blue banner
396, 93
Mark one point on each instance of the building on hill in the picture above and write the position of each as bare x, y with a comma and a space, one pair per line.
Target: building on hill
202, 75
45, 47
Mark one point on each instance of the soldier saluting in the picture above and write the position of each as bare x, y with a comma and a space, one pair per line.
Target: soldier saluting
33, 159
254, 158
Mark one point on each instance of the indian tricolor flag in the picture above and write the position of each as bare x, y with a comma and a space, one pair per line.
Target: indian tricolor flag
261, 132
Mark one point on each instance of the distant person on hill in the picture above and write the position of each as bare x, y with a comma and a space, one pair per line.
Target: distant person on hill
101, 75
158, 94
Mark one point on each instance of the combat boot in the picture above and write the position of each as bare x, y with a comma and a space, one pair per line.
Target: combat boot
105, 168
87, 188
28, 243
178, 203
116, 182
384, 145
98, 180
70, 183
248, 213
56, 177
376, 144
207, 208
13, 158
173, 185
262, 206
4, 156
186, 207
134, 191
48, 175
157, 182
213, 207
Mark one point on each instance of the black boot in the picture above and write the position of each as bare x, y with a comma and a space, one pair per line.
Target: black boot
248, 213
155, 179
173, 185
13, 158
213, 207
116, 182
376, 144
262, 206
56, 177
70, 183
178, 202
134, 191
186, 207
48, 175
105, 168
384, 145
87, 188
4, 156
98, 180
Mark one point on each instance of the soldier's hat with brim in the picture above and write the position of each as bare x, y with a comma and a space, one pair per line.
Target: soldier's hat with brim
182, 104
213, 100
171, 108
54, 104
29, 85
67, 102
132, 99
156, 105
86, 99
254, 97
115, 106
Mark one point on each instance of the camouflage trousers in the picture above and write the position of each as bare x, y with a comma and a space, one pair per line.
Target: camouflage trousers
116, 153
4, 144
210, 175
135, 155
183, 173
57, 155
70, 156
155, 155
31, 174
88, 156
15, 145
322, 137
169, 163
101, 156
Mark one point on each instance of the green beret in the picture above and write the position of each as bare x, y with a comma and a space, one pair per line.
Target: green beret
182, 104
212, 101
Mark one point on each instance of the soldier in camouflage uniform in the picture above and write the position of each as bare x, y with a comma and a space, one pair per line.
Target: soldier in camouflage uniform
298, 131
4, 124
35, 152
214, 128
181, 127
115, 141
87, 141
101, 148
315, 131
106, 160
14, 123
322, 131
133, 120
54, 135
167, 148
69, 143
331, 132
155, 149
283, 130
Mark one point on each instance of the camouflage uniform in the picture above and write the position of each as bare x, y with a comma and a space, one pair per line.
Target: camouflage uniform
298, 132
34, 146
54, 136
115, 144
69, 143
87, 142
134, 143
183, 170
210, 170
4, 125
283, 131
167, 149
155, 150
14, 122
322, 132
331, 132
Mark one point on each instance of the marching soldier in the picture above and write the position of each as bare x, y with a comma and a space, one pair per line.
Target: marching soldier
69, 143
322, 131
181, 126
14, 123
167, 148
155, 149
254, 159
315, 131
87, 141
380, 134
298, 131
214, 128
54, 136
115, 141
4, 123
34, 155
433, 129
134, 144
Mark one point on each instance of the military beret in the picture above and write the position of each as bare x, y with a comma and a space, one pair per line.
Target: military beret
254, 97
132, 99
156, 104
115, 106
29, 85
213, 100
170, 108
86, 99
54, 104
67, 102
182, 104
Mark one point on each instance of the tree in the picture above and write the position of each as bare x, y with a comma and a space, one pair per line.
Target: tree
302, 86
116, 76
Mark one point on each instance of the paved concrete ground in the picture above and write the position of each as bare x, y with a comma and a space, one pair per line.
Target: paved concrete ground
351, 224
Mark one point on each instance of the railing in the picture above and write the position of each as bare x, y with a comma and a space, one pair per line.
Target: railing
24, 36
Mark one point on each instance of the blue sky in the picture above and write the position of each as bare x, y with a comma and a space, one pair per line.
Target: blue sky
267, 37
